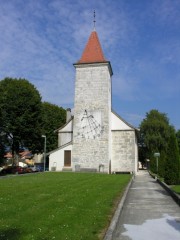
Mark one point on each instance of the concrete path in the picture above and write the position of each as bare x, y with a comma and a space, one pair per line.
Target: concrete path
149, 213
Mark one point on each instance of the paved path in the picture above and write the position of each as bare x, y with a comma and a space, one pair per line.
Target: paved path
149, 213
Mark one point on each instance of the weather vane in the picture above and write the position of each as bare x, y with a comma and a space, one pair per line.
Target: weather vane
94, 20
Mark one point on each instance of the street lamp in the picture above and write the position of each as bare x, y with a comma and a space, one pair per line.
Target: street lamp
44, 136
148, 164
156, 155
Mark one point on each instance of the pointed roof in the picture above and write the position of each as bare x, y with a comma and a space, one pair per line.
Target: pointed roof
93, 52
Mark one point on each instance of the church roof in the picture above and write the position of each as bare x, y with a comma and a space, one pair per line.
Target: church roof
93, 52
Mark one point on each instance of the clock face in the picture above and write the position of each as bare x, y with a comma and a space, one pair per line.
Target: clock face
90, 125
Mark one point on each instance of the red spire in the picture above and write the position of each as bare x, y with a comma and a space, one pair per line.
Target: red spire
93, 52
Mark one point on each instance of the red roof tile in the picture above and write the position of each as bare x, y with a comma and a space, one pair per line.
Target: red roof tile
93, 52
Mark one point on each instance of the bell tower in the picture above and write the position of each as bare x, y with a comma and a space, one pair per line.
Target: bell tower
92, 109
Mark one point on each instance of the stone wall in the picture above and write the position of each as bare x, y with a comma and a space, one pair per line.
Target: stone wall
123, 151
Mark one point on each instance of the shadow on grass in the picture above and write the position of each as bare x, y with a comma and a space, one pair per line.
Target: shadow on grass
10, 234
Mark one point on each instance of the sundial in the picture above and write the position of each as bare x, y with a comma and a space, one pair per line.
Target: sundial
90, 125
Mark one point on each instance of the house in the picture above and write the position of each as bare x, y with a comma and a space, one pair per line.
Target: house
95, 138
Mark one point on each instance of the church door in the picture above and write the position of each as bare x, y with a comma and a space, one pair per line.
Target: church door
67, 158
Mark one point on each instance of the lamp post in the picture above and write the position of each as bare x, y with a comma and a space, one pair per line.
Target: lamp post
44, 136
148, 164
156, 155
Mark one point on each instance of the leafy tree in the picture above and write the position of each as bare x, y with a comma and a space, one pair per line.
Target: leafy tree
142, 149
155, 131
172, 164
20, 114
53, 118
178, 139
3, 143
159, 136
2, 152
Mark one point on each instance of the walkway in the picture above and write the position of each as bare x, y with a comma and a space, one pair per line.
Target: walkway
149, 213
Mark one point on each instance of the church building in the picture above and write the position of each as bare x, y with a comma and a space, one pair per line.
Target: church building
95, 138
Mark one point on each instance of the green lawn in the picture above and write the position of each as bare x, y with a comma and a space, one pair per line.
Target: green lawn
58, 205
176, 189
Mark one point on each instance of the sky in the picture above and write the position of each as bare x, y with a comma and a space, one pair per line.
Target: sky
41, 39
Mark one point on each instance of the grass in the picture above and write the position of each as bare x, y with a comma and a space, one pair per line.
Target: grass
58, 206
176, 189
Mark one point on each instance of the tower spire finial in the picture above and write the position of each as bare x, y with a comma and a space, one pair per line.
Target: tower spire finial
94, 20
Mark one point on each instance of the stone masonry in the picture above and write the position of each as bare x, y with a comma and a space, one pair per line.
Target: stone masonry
123, 151
92, 94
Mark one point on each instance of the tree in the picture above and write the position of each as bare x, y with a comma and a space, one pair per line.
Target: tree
178, 139
155, 131
2, 152
159, 136
172, 164
142, 149
20, 114
2, 146
53, 117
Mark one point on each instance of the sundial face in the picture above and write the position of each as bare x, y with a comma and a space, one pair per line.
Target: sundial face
90, 125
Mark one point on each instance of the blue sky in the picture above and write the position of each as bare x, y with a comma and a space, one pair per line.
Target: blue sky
41, 39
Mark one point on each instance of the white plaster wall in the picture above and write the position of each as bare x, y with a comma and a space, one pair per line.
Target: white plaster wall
118, 124
67, 127
38, 158
56, 159
64, 138
65, 134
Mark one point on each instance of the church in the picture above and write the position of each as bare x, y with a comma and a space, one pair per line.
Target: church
95, 138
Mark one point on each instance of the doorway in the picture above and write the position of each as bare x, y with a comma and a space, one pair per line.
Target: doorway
67, 158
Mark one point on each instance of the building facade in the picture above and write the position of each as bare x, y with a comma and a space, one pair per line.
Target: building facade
95, 139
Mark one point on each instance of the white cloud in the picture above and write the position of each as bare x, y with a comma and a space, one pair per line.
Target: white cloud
40, 40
